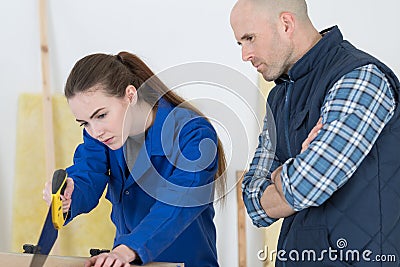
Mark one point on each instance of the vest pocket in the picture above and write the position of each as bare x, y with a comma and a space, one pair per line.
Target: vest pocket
312, 237
300, 119
299, 126
309, 246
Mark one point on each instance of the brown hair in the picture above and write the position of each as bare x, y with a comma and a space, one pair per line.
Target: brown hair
114, 73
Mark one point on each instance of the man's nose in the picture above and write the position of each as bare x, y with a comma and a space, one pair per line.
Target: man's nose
247, 54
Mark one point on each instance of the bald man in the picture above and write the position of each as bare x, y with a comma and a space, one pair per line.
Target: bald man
333, 173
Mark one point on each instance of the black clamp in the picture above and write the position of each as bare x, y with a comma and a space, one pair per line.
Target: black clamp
31, 249
96, 251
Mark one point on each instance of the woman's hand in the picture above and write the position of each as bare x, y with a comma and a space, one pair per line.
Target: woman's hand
66, 198
311, 136
120, 256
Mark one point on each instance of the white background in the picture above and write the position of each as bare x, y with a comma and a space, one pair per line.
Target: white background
164, 34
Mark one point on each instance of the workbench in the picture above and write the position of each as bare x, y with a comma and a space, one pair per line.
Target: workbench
22, 260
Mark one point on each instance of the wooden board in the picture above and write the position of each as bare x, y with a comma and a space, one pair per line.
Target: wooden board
21, 260
241, 217
50, 160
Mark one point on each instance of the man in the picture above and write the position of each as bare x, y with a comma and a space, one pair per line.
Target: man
340, 192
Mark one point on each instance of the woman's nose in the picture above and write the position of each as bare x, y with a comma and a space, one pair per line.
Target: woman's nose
97, 132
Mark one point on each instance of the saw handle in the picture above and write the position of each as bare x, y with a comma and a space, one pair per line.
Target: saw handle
59, 178
58, 186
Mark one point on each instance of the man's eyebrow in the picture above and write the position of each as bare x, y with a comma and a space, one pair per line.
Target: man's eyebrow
94, 114
245, 36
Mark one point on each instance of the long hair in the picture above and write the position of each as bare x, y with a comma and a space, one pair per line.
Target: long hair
114, 73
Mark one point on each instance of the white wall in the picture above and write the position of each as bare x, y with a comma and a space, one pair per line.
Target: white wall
164, 34
370, 25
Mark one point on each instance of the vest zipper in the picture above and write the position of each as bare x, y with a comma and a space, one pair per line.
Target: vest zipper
289, 88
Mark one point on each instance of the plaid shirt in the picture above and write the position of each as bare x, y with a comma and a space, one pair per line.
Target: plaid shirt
354, 112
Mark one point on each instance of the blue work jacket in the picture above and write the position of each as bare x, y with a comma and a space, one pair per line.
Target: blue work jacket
162, 208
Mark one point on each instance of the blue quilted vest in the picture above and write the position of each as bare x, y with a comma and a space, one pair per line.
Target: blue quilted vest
361, 219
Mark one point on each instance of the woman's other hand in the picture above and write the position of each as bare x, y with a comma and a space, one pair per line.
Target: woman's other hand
120, 256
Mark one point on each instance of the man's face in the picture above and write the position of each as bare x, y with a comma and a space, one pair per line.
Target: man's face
262, 38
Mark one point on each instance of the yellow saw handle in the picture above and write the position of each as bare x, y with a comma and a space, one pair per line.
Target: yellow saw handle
58, 187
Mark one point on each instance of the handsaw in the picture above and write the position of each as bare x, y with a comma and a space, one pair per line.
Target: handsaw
55, 219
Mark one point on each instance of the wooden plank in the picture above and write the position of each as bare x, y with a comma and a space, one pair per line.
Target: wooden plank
18, 260
49, 150
47, 99
241, 217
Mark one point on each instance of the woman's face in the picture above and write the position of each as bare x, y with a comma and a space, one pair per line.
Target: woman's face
101, 115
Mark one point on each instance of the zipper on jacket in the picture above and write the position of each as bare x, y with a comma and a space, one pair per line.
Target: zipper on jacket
289, 88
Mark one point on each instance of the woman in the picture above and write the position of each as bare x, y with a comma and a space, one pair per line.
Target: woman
158, 155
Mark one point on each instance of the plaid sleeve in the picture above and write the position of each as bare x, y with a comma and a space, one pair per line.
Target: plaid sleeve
354, 112
258, 177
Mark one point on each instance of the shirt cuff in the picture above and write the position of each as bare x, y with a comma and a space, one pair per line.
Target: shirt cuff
252, 201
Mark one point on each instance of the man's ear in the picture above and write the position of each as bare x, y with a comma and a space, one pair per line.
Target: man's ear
131, 94
288, 21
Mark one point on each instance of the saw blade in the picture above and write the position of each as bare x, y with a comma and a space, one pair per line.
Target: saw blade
54, 220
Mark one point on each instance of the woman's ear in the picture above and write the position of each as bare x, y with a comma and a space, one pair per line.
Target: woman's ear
131, 94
